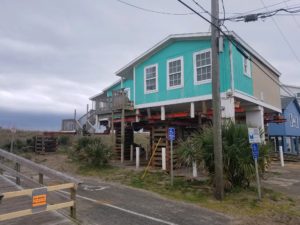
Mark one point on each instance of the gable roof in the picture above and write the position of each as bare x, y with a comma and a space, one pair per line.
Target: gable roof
127, 70
287, 100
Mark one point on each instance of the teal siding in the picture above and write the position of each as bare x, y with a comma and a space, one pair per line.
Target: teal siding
242, 82
126, 84
186, 49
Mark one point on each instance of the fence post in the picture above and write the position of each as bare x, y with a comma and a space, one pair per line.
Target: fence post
41, 178
137, 157
18, 169
73, 198
281, 156
163, 158
195, 173
131, 153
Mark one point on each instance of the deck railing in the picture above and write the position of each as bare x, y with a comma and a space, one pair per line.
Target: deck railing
117, 101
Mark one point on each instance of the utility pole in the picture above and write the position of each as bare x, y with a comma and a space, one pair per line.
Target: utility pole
217, 130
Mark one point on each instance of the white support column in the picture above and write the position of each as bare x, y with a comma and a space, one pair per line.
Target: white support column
162, 113
137, 157
137, 113
192, 110
255, 118
148, 112
163, 159
228, 110
97, 121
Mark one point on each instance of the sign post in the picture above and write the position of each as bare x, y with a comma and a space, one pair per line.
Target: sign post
171, 135
254, 139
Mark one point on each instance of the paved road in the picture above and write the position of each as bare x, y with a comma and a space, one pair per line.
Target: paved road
284, 179
111, 204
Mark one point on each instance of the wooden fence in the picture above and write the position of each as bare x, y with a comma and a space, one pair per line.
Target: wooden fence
9, 160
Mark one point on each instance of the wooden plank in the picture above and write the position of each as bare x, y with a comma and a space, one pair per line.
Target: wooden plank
13, 194
27, 212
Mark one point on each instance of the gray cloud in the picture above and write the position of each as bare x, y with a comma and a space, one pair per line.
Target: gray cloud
55, 54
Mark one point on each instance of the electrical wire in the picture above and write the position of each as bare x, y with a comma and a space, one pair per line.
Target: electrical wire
154, 11
295, 20
224, 12
283, 35
239, 47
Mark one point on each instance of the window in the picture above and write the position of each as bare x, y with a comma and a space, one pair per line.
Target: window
150, 76
246, 66
202, 67
298, 95
175, 73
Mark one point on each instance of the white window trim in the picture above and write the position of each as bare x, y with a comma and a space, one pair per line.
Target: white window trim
168, 73
246, 72
196, 82
156, 71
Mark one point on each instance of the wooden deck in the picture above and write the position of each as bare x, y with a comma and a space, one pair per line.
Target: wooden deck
24, 202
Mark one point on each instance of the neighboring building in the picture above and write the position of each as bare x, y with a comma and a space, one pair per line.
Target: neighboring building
287, 134
287, 90
170, 86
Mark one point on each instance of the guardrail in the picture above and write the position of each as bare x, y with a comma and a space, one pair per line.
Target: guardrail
8, 159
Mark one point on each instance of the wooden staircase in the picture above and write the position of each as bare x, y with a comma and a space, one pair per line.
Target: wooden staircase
128, 142
161, 133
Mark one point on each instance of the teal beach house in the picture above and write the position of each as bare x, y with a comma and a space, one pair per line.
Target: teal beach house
170, 85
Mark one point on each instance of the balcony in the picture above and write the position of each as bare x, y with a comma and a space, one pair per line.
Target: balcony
118, 101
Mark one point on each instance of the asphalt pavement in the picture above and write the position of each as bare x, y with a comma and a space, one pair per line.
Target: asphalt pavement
102, 203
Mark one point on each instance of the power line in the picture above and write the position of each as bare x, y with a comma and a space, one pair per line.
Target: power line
224, 12
257, 9
239, 47
282, 35
295, 20
154, 11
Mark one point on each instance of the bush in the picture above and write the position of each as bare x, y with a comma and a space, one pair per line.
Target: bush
238, 163
91, 151
63, 140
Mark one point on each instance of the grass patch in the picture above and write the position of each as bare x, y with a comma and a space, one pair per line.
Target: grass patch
239, 202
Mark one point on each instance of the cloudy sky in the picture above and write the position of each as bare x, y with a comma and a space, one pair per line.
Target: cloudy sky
55, 54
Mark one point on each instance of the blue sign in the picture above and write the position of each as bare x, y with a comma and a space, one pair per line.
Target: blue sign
255, 151
171, 133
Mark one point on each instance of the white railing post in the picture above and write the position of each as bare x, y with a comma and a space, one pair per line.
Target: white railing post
195, 173
163, 159
281, 156
137, 157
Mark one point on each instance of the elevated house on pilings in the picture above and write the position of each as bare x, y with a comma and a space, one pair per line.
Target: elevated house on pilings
169, 85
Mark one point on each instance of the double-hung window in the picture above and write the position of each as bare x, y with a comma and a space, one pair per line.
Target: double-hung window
202, 67
150, 77
175, 73
246, 66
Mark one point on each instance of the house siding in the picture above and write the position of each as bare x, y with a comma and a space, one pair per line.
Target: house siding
184, 49
285, 129
242, 82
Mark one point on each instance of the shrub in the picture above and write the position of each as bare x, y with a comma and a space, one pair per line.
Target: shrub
63, 140
238, 164
91, 151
